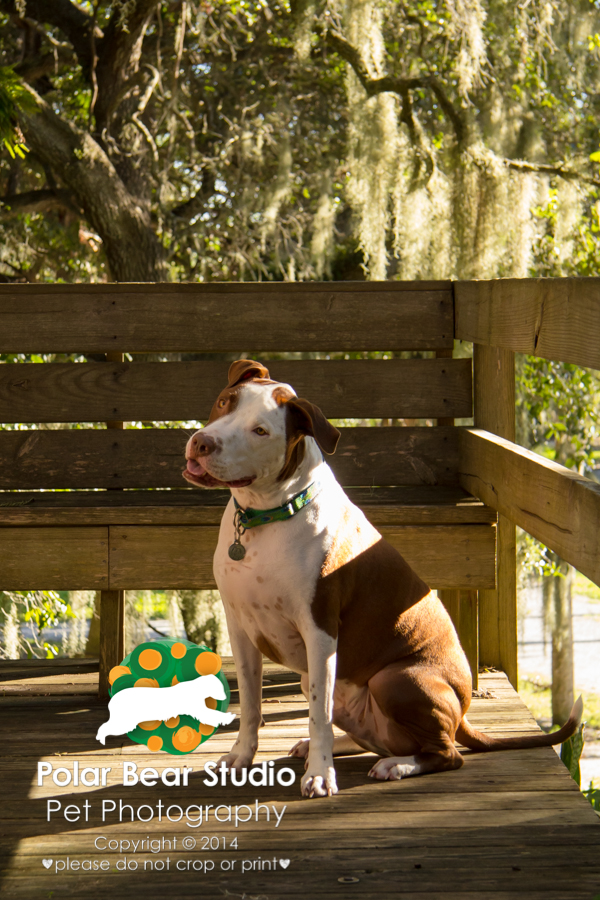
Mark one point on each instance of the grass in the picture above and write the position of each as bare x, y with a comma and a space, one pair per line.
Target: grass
536, 694
586, 588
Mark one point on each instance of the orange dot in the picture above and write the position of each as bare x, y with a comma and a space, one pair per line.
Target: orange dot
150, 659
211, 702
173, 722
208, 663
150, 726
116, 672
155, 743
186, 739
175, 680
205, 729
146, 682
178, 650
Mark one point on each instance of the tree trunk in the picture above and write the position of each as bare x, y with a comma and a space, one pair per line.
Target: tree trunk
92, 647
133, 250
557, 602
204, 619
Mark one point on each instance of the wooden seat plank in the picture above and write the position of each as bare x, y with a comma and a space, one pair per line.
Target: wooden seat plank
409, 505
170, 391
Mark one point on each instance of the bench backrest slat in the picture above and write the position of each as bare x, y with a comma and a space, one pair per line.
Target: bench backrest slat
154, 458
209, 318
180, 391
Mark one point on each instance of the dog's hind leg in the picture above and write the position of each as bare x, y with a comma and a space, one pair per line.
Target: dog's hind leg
422, 712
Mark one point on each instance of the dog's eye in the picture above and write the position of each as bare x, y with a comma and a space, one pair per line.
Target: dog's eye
222, 403
260, 431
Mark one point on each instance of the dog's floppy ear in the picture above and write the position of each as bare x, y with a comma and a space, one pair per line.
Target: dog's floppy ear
245, 370
310, 420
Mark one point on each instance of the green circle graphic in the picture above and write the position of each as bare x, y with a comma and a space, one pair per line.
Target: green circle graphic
169, 662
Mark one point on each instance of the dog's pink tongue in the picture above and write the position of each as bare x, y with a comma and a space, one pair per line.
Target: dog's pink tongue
195, 467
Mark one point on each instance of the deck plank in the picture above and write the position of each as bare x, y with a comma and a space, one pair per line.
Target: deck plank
507, 826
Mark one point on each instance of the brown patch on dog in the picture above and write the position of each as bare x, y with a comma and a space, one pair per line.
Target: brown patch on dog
246, 370
375, 604
294, 439
267, 649
302, 419
240, 372
225, 403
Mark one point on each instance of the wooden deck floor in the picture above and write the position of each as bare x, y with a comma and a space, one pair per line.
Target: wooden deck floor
507, 826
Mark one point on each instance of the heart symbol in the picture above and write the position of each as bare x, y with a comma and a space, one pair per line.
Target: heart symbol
48, 862
284, 863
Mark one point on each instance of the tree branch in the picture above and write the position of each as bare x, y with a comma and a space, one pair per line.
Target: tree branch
118, 57
521, 165
74, 23
118, 48
37, 201
133, 250
197, 204
394, 85
371, 85
417, 137
39, 67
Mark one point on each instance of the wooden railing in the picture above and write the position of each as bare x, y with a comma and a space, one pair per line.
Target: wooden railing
552, 318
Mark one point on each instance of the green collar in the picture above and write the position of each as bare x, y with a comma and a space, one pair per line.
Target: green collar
250, 518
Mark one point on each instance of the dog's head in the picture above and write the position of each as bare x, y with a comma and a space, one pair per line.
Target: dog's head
256, 432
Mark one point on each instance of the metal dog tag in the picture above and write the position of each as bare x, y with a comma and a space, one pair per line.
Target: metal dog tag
237, 552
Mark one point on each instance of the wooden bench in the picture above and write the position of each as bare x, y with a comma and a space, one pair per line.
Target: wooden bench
107, 509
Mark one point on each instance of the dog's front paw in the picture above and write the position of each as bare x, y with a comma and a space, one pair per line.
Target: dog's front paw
394, 768
322, 785
300, 750
238, 758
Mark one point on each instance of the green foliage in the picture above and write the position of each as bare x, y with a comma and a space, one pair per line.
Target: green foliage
560, 402
570, 753
558, 417
47, 611
593, 795
12, 97
537, 695
196, 133
41, 610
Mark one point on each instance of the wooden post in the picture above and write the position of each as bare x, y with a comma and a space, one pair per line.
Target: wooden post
494, 410
112, 629
112, 604
463, 610
462, 605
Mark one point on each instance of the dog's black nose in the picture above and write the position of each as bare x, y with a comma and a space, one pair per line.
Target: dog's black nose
203, 444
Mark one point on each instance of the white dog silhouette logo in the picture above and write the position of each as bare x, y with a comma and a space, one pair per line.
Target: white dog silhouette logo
132, 706
169, 694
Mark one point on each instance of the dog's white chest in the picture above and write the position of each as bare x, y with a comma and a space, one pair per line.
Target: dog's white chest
270, 591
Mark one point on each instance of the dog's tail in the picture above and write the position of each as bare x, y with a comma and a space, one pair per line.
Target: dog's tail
476, 740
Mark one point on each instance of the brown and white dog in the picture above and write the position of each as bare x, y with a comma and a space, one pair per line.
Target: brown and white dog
323, 594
